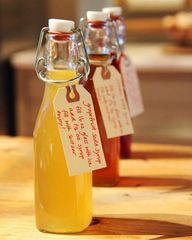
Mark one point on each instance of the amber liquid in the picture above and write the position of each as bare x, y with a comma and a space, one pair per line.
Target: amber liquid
126, 141
108, 176
100, 58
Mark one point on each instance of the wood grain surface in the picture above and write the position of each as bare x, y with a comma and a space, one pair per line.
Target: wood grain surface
153, 199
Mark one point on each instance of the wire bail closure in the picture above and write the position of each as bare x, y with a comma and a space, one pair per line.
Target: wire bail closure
114, 29
40, 60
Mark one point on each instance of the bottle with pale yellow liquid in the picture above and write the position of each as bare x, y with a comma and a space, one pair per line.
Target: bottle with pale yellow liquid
63, 203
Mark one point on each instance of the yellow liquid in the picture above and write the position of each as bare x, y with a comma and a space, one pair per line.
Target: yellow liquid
63, 203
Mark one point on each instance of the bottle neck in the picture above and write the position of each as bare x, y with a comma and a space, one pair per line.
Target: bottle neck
61, 52
63, 59
99, 39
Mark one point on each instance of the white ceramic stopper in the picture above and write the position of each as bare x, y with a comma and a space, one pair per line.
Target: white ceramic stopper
60, 25
115, 11
97, 16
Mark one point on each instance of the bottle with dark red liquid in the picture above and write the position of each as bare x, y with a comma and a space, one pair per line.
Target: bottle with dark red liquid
115, 14
100, 48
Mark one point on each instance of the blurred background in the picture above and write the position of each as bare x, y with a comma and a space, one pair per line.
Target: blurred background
159, 42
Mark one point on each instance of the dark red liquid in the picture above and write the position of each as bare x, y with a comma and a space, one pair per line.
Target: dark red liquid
107, 176
125, 148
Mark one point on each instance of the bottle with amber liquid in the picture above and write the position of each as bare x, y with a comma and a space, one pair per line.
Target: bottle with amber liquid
101, 48
115, 14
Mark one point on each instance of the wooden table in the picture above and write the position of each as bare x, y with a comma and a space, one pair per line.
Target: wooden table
154, 202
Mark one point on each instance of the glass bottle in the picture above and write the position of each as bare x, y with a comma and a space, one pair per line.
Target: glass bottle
63, 203
101, 51
116, 16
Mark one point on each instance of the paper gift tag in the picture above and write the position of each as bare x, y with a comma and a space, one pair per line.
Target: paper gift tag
78, 130
112, 102
132, 86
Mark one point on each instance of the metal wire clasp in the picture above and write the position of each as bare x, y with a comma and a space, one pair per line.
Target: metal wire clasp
114, 29
39, 60
40, 66
86, 59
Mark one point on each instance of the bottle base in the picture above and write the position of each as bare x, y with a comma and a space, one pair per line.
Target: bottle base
54, 230
60, 232
125, 152
106, 184
126, 155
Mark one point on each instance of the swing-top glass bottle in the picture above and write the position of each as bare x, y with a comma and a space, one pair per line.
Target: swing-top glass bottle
63, 203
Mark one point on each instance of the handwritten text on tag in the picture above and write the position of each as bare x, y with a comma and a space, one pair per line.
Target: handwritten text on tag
132, 86
112, 102
79, 132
